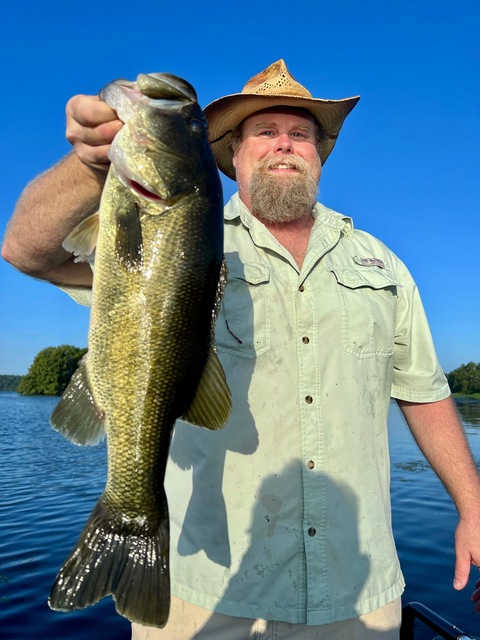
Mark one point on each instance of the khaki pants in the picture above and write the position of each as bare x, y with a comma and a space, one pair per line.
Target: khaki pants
189, 622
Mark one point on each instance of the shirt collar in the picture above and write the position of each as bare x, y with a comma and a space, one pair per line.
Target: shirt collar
326, 217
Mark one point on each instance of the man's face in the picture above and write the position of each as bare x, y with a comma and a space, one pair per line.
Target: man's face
270, 137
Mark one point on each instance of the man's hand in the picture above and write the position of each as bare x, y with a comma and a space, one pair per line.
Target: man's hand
467, 550
91, 127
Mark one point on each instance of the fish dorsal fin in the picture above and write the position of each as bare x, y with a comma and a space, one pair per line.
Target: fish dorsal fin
128, 236
212, 404
83, 239
76, 415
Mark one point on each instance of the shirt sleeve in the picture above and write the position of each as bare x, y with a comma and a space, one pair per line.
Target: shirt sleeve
417, 375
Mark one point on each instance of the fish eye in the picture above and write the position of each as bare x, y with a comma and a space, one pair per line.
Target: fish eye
195, 124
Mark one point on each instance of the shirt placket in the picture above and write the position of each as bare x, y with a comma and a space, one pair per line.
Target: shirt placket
312, 449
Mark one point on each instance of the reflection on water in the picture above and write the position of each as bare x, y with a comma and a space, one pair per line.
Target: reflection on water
469, 410
413, 466
49, 486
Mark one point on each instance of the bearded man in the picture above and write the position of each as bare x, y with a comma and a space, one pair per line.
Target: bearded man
281, 523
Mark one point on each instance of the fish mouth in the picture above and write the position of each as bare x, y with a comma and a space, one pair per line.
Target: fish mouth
141, 190
145, 191
127, 177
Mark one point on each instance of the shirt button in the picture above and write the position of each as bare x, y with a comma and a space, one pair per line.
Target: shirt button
311, 464
312, 531
309, 399
305, 339
301, 288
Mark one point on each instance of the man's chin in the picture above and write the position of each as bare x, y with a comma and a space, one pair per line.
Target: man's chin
282, 196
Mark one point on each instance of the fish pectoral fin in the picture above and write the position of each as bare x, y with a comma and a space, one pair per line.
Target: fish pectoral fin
76, 415
128, 236
83, 239
212, 404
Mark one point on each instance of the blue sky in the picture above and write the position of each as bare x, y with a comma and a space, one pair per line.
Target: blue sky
406, 166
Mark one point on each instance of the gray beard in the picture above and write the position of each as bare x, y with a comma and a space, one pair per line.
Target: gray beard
279, 199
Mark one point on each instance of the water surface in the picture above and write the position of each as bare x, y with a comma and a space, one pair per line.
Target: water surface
49, 486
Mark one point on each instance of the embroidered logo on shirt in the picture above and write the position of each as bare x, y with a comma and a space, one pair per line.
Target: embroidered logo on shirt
370, 262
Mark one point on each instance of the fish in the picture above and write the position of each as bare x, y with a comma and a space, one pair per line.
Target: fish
159, 275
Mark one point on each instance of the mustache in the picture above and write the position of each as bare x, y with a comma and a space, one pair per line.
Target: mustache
291, 162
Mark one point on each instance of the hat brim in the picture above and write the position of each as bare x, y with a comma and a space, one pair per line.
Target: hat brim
225, 114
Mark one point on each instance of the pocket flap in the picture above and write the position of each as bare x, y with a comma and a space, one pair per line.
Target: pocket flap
251, 273
372, 277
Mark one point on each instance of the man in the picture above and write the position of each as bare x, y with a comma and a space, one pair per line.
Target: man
281, 522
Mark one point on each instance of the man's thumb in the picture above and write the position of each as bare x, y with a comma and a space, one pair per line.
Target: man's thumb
462, 571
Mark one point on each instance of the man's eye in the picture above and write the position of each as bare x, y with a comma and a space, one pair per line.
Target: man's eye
298, 134
267, 132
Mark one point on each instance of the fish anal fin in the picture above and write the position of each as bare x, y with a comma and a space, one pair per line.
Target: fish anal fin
83, 239
76, 415
128, 236
127, 559
212, 404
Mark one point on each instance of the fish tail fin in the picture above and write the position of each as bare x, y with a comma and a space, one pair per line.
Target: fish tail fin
128, 560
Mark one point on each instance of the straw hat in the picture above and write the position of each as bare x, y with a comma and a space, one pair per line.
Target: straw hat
273, 87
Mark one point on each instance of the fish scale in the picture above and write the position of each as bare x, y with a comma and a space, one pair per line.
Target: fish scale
158, 277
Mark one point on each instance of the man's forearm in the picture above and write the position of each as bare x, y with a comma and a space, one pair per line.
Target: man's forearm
49, 208
440, 435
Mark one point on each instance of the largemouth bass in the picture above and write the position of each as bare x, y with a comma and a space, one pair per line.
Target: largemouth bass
158, 279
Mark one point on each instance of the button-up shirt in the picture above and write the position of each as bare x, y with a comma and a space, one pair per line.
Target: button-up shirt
285, 513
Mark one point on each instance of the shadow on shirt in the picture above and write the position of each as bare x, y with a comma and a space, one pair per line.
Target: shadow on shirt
273, 583
204, 452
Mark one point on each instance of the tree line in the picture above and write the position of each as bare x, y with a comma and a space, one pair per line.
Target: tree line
53, 367
51, 371
465, 379
9, 382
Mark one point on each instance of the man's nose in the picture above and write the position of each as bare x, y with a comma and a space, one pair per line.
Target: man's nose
283, 144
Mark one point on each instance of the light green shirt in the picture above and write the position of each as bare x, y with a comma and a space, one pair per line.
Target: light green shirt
285, 513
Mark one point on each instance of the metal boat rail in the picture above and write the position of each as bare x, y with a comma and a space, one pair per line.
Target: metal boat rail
415, 610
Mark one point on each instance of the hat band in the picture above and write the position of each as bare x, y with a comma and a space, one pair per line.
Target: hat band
221, 137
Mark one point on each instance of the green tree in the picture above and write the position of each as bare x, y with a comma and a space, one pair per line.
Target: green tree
465, 379
51, 371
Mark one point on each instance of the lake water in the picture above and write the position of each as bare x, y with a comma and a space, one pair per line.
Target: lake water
48, 488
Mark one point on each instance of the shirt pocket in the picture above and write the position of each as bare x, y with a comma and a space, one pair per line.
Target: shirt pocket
368, 299
243, 324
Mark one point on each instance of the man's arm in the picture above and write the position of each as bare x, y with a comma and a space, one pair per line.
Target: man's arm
439, 434
55, 202
49, 208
